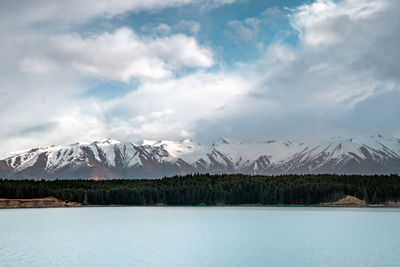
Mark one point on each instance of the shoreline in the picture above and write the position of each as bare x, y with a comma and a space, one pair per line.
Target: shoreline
52, 202
45, 202
210, 206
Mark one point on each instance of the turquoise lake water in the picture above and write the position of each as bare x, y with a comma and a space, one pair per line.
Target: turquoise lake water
200, 236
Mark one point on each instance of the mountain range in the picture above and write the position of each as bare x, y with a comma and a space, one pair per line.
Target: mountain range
112, 159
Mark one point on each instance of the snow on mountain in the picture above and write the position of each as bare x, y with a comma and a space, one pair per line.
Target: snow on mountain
186, 150
109, 158
362, 154
246, 152
343, 148
144, 142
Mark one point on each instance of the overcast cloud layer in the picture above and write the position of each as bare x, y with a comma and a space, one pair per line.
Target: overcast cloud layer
332, 70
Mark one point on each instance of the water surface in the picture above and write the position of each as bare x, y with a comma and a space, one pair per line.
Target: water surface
200, 236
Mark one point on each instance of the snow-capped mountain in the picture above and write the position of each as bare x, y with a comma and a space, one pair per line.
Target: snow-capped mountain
111, 159
365, 154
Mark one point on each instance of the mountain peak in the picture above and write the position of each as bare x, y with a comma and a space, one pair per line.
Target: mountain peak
227, 141
144, 142
111, 141
364, 154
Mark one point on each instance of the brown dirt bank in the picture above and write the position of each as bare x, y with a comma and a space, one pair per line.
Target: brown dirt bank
351, 201
52, 202
47, 202
346, 201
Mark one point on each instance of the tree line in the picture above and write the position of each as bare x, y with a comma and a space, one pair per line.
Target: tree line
205, 189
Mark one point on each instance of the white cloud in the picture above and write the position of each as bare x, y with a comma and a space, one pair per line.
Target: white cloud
37, 65
335, 66
342, 77
40, 115
168, 109
326, 22
347, 55
77, 11
122, 55
38, 111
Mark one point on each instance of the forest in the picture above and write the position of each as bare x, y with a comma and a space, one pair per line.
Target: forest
205, 189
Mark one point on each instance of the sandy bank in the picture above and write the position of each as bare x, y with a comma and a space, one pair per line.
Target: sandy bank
351, 201
47, 202
52, 202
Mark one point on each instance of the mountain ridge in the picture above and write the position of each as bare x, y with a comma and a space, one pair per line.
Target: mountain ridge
113, 159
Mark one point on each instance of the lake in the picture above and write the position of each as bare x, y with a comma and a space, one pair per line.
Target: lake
200, 236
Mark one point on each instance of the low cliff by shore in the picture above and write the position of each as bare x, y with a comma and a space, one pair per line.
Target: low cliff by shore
47, 202
351, 201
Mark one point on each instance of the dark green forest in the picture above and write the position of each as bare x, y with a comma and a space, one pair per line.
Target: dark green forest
204, 189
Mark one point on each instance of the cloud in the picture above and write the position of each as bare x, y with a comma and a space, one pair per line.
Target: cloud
345, 62
188, 25
44, 71
246, 30
160, 29
37, 65
166, 109
339, 41
38, 111
121, 55
175, 105
340, 77
346, 55
183, 26
256, 29
76, 11
326, 22
38, 128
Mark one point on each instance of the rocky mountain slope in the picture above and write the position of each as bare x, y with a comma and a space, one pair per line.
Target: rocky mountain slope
111, 159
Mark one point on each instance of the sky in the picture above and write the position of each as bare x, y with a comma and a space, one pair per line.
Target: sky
79, 71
